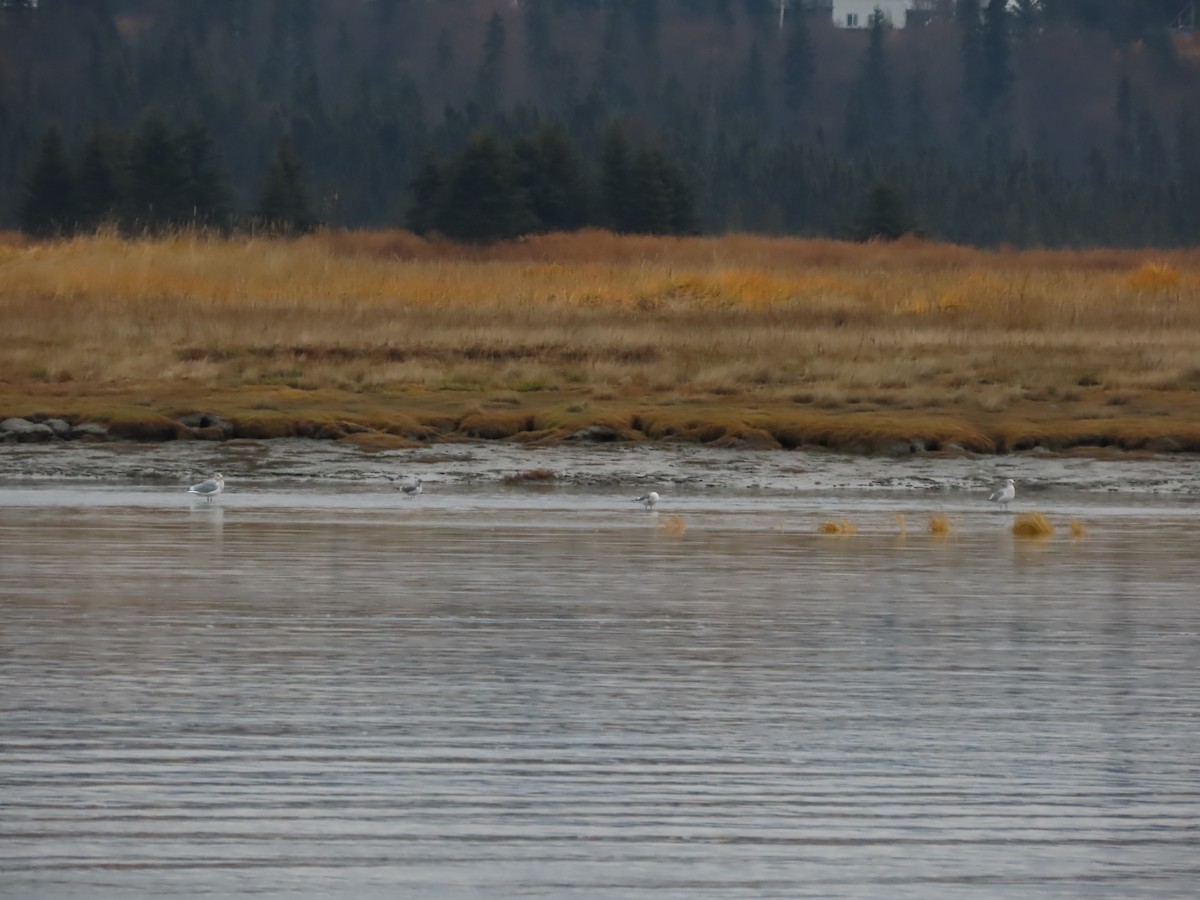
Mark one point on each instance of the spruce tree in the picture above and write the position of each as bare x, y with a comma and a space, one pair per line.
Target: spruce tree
48, 207
968, 14
870, 105
98, 182
617, 190
206, 190
884, 216
157, 179
428, 188
489, 81
997, 76
483, 202
799, 63
283, 202
551, 175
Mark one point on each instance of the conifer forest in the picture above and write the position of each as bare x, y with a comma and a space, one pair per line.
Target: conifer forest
1056, 123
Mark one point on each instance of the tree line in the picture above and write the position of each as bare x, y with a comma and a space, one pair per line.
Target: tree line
1054, 122
152, 181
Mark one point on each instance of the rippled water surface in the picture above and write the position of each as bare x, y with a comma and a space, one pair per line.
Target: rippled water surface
516, 692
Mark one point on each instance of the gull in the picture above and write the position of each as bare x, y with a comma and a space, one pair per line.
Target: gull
210, 488
412, 488
647, 500
1003, 495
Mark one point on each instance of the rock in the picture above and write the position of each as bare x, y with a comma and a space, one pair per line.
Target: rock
897, 448
598, 433
24, 431
207, 426
1164, 444
60, 427
88, 431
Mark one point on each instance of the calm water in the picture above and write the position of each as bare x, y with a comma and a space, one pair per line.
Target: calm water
318, 692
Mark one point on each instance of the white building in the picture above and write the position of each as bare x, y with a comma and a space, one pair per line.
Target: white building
857, 13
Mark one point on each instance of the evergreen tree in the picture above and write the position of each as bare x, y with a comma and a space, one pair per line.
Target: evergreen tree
612, 65
551, 175
869, 109
99, 192
1124, 112
48, 206
427, 189
157, 196
969, 14
489, 88
1027, 17
1152, 159
997, 76
617, 189
799, 63
483, 202
651, 214
920, 122
206, 190
283, 202
751, 100
884, 216
647, 24
538, 43
681, 198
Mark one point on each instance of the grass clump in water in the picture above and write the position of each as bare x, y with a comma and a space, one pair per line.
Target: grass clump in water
1078, 529
672, 524
1032, 525
939, 525
837, 526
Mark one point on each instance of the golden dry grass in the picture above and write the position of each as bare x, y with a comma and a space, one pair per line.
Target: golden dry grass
1078, 529
837, 526
1032, 525
940, 525
735, 341
672, 524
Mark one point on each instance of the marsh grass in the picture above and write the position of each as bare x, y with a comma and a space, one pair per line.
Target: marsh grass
672, 524
1032, 525
747, 341
1078, 529
940, 525
838, 526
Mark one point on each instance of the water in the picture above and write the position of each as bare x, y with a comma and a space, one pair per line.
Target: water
500, 692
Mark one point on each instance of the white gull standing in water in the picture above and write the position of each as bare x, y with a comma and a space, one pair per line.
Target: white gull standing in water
647, 500
1003, 495
411, 488
210, 488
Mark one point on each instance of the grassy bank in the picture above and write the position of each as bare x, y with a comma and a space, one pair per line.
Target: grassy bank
740, 340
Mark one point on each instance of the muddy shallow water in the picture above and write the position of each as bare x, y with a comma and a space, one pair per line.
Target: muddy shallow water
661, 465
316, 687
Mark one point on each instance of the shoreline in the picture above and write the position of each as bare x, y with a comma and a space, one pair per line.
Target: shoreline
414, 420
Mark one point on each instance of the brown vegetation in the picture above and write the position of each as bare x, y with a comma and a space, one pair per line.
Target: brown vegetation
837, 526
734, 341
940, 525
1033, 525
